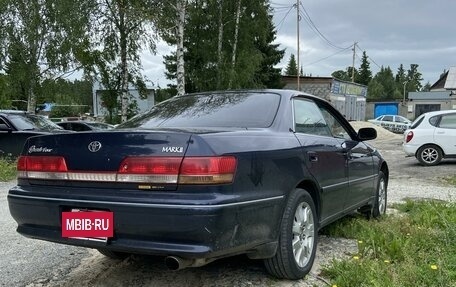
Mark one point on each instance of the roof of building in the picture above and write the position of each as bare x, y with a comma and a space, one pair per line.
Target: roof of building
447, 81
432, 95
450, 83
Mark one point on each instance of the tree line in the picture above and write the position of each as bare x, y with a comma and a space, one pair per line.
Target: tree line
384, 85
219, 44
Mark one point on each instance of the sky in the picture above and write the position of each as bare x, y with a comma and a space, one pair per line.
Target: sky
392, 32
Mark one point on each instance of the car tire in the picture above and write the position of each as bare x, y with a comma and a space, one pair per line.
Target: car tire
298, 234
113, 254
429, 155
379, 208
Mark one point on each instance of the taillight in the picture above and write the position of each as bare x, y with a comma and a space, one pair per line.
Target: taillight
207, 170
149, 169
409, 137
136, 169
43, 167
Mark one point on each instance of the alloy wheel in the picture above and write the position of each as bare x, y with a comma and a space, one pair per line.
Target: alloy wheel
382, 196
303, 234
429, 155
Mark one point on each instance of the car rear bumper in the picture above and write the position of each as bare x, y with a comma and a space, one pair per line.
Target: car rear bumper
410, 150
188, 231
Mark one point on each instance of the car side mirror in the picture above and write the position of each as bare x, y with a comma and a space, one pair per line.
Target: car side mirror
365, 134
5, 128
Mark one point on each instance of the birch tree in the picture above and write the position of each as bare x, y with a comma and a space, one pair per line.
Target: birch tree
220, 43
40, 39
235, 42
227, 44
121, 30
172, 28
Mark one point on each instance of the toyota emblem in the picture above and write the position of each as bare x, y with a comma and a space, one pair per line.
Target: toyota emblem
94, 146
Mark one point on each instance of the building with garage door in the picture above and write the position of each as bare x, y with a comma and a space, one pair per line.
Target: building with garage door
442, 96
348, 98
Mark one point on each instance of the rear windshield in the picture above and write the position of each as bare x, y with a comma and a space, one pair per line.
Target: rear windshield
417, 122
33, 122
247, 110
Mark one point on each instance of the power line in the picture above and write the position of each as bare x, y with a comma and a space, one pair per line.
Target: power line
369, 58
327, 57
279, 25
279, 4
312, 25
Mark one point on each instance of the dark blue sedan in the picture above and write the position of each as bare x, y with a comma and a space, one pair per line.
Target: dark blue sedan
201, 177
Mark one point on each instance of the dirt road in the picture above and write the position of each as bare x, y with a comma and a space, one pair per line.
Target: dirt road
26, 262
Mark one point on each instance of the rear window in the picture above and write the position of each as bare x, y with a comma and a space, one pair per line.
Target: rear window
248, 110
417, 122
33, 122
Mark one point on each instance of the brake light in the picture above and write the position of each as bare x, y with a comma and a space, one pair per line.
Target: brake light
45, 167
207, 170
137, 169
149, 169
409, 137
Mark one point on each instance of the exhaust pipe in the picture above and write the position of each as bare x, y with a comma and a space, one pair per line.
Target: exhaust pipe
176, 263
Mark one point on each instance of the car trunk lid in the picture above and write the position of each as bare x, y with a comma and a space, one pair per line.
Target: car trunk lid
144, 157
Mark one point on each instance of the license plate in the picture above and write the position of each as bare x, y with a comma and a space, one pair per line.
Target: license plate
94, 225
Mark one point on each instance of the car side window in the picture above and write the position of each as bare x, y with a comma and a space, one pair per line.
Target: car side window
448, 121
399, 120
79, 127
336, 128
388, 118
308, 118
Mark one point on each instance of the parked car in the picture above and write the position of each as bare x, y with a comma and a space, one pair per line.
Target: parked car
393, 123
17, 126
80, 126
432, 137
204, 176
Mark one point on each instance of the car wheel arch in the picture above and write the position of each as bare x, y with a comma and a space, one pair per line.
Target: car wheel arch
430, 144
432, 159
384, 168
312, 188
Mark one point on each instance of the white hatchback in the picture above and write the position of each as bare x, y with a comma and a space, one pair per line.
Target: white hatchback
432, 137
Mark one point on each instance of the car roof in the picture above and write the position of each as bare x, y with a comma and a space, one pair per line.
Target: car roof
434, 113
64, 122
284, 93
17, 112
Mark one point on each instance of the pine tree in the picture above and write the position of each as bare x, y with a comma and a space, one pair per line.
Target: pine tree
266, 75
382, 86
210, 46
364, 73
414, 79
292, 67
400, 76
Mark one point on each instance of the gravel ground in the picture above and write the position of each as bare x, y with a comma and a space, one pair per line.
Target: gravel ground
26, 262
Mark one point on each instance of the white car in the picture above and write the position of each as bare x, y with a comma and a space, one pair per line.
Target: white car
394, 123
432, 137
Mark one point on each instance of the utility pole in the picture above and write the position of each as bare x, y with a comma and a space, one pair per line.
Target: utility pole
353, 63
405, 85
297, 36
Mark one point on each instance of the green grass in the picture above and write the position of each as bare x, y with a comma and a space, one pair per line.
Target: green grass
416, 247
7, 169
